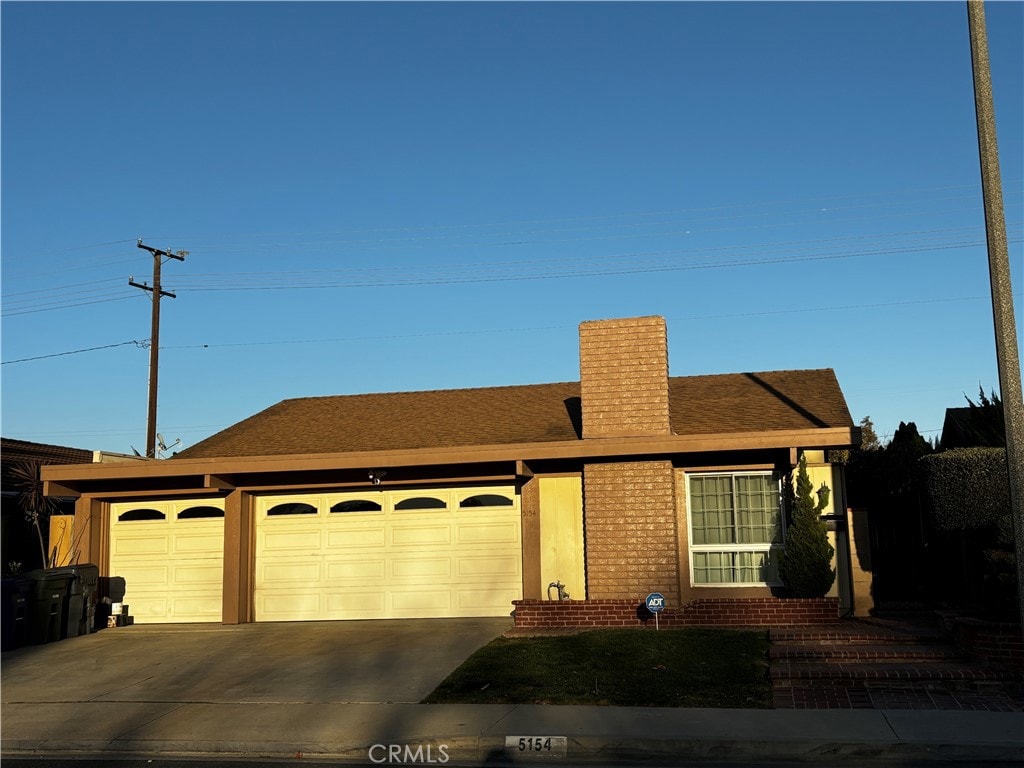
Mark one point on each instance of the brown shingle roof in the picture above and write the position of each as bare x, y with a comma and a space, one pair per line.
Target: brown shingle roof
534, 413
13, 451
757, 402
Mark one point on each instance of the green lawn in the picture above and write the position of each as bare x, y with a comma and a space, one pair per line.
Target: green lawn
621, 667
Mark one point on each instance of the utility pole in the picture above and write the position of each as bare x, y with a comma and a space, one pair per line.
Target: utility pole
1007, 359
154, 338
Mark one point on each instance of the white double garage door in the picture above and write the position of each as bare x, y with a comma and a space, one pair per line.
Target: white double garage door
353, 555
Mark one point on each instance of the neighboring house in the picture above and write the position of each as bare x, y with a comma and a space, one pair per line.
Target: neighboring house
459, 502
972, 427
18, 536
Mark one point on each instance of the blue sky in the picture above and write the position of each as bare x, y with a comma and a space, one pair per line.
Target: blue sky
387, 197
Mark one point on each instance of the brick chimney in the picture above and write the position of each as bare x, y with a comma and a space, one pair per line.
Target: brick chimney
624, 377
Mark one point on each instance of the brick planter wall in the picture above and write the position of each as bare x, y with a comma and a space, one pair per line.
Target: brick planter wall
747, 612
992, 642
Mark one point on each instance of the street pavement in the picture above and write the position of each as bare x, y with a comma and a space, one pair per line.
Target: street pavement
349, 692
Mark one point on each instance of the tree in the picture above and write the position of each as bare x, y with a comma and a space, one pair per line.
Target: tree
901, 471
868, 438
987, 423
805, 565
36, 506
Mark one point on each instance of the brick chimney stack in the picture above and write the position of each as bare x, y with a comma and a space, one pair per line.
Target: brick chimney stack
624, 377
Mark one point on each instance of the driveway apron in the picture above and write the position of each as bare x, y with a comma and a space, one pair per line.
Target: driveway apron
393, 661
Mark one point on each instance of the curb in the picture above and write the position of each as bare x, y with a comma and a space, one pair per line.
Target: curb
464, 750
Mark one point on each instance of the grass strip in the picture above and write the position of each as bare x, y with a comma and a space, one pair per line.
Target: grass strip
620, 667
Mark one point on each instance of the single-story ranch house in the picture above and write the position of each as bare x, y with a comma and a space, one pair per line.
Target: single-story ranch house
475, 502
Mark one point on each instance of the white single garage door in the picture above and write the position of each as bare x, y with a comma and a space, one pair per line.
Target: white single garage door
388, 554
171, 555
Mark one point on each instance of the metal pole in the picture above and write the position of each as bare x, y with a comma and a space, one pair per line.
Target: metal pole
1007, 358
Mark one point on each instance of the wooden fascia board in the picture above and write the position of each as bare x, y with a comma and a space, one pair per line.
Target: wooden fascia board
218, 483
72, 476
57, 490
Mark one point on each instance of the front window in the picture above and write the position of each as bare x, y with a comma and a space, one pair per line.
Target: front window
736, 528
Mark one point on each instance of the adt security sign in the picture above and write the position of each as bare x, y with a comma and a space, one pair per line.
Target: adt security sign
655, 603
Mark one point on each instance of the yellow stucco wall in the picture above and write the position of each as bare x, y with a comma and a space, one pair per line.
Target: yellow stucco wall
561, 535
827, 474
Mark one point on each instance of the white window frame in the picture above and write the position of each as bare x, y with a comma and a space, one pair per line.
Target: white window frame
725, 548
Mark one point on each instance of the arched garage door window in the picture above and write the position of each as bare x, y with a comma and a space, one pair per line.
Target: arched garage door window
292, 508
136, 515
421, 502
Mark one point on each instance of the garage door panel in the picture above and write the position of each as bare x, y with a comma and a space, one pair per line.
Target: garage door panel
492, 533
286, 572
291, 605
206, 607
199, 543
408, 534
151, 608
480, 567
356, 537
356, 569
148, 545
145, 578
196, 574
283, 540
355, 604
430, 600
421, 568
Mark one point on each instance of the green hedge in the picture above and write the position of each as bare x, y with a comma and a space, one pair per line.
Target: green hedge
968, 488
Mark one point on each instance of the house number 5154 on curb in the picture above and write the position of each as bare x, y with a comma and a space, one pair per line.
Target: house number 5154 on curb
535, 746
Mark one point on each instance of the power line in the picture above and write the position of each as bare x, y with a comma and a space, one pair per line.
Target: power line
533, 329
491, 278
72, 352
598, 217
64, 306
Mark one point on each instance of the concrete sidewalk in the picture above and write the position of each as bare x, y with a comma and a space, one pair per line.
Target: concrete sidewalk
477, 734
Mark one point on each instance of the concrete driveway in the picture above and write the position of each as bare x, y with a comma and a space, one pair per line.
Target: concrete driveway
394, 661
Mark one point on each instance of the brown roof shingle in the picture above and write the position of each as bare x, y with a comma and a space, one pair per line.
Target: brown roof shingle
14, 451
533, 413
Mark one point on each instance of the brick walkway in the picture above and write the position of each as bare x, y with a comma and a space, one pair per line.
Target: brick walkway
884, 664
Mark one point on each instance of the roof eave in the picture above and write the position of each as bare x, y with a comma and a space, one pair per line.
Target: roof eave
72, 479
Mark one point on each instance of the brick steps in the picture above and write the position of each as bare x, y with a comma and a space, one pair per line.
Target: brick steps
851, 673
861, 651
885, 664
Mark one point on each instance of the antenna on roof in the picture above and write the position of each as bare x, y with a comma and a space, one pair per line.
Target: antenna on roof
162, 446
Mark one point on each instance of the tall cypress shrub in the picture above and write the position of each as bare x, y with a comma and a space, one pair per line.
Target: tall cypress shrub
805, 565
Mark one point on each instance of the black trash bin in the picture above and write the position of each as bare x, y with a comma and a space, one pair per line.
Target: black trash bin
89, 575
14, 630
80, 604
47, 595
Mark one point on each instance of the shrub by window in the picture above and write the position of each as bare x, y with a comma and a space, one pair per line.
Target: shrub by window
198, 513
292, 508
135, 515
